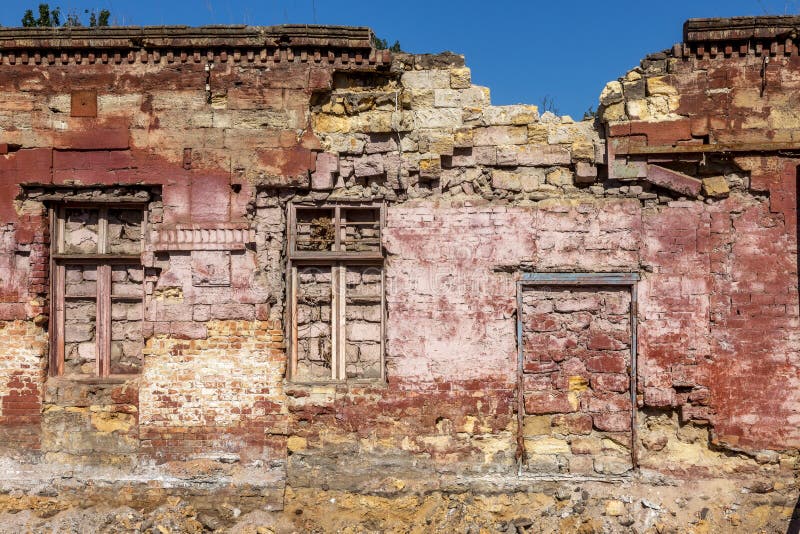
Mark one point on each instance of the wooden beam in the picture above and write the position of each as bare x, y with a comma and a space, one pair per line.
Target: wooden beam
708, 148
57, 320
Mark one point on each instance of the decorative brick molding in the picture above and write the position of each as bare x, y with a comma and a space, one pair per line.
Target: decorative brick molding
339, 46
217, 236
739, 37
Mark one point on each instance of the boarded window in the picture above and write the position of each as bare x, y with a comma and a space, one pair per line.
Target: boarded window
97, 295
336, 288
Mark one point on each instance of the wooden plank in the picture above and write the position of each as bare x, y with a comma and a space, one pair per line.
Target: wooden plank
338, 228
59, 240
709, 148
383, 324
57, 318
291, 217
103, 328
342, 335
333, 256
95, 258
293, 323
102, 231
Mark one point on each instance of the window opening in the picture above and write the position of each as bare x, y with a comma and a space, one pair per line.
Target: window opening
97, 292
336, 292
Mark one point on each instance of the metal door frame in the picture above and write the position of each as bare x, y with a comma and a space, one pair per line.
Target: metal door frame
629, 280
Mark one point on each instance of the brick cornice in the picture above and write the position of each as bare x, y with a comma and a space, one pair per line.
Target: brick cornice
740, 36
341, 46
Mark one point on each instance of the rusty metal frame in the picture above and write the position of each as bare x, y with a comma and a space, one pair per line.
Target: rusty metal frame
625, 279
337, 261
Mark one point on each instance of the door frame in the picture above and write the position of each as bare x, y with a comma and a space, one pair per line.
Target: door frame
625, 279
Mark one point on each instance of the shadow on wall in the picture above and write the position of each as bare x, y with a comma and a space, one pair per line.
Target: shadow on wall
794, 524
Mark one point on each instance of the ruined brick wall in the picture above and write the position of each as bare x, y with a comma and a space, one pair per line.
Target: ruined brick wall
716, 111
446, 398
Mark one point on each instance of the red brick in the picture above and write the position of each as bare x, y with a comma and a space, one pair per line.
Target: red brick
607, 363
613, 422
543, 402
610, 382
93, 139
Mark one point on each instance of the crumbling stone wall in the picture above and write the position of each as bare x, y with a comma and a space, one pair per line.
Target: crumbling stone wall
218, 133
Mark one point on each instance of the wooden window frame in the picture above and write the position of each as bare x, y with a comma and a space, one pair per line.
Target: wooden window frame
103, 261
338, 261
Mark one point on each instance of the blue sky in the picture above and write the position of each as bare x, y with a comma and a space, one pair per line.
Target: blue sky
523, 50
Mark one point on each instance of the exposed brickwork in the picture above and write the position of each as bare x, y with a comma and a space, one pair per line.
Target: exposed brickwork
219, 394
21, 378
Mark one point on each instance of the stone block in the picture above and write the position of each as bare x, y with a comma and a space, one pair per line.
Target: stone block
510, 115
559, 177
607, 362
367, 166
379, 143
462, 157
547, 446
211, 268
475, 98
660, 85
363, 331
660, 397
673, 180
716, 187
506, 180
436, 142
613, 422
500, 135
437, 118
507, 155
575, 423
462, 138
460, 78
611, 465
430, 167
585, 172
611, 93
545, 402
634, 90
346, 143
426, 79
326, 170
587, 445
583, 150
446, 98
542, 463
187, 330
233, 311
543, 156
537, 425
610, 382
